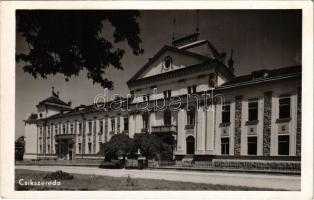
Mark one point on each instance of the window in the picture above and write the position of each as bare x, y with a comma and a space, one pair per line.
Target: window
113, 124
192, 89
284, 107
167, 94
167, 117
253, 111
89, 147
90, 125
48, 131
145, 120
126, 123
71, 128
80, 127
225, 114
56, 129
101, 127
225, 146
167, 63
80, 147
63, 128
191, 116
40, 148
252, 145
283, 145
146, 97
40, 132
48, 148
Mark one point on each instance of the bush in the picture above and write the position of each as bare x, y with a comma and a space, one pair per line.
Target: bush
59, 175
118, 145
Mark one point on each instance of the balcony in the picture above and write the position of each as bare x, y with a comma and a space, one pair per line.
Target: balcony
164, 129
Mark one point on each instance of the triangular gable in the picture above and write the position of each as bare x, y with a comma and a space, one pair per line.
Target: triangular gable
180, 59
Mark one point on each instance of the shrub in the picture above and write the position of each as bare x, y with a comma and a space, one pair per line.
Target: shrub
59, 175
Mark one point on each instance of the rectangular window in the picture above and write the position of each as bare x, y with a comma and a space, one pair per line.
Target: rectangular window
80, 128
63, 128
126, 123
225, 146
284, 107
40, 132
90, 127
71, 128
40, 149
89, 147
113, 124
283, 145
253, 111
167, 94
48, 148
252, 145
146, 97
56, 129
101, 127
80, 147
192, 89
225, 114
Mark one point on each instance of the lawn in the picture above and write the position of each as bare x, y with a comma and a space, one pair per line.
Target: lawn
92, 183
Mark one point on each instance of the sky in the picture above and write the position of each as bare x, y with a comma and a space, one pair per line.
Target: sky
261, 39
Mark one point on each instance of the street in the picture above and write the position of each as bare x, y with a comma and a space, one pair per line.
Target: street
286, 182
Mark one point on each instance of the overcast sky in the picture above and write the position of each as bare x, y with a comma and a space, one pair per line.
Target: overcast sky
260, 39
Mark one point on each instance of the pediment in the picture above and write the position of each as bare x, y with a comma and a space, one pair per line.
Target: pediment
168, 59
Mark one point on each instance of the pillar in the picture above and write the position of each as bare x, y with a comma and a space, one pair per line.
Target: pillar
237, 125
267, 122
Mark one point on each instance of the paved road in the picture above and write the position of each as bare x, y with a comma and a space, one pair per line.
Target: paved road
236, 179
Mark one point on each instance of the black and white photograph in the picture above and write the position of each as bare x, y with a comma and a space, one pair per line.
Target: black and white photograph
169, 99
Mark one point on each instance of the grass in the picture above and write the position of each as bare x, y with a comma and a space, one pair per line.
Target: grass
93, 183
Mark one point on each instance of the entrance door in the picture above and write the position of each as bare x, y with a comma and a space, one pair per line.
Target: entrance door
190, 145
70, 155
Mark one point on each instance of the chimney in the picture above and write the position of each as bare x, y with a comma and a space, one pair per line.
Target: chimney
70, 102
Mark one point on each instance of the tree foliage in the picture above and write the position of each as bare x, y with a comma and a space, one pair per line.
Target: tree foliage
68, 42
118, 145
152, 146
19, 148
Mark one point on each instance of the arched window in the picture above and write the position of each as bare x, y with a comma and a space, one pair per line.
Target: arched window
167, 117
190, 145
191, 115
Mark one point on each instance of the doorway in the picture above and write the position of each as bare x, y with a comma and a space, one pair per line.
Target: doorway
190, 145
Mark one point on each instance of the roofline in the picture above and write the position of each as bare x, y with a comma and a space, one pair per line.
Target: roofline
257, 81
163, 49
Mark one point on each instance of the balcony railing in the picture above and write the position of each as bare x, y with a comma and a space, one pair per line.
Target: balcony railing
163, 129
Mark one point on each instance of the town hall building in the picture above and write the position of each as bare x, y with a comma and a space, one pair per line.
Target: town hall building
189, 91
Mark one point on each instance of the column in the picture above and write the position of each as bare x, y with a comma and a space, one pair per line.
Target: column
237, 125
181, 133
200, 126
267, 123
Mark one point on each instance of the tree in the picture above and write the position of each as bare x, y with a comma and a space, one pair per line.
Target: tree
151, 146
68, 42
19, 148
120, 145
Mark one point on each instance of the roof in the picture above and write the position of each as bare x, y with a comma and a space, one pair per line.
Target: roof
160, 52
55, 100
262, 76
209, 64
33, 117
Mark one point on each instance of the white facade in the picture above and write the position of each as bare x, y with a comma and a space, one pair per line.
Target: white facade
172, 74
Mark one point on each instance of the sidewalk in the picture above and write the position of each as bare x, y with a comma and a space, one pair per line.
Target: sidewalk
235, 179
